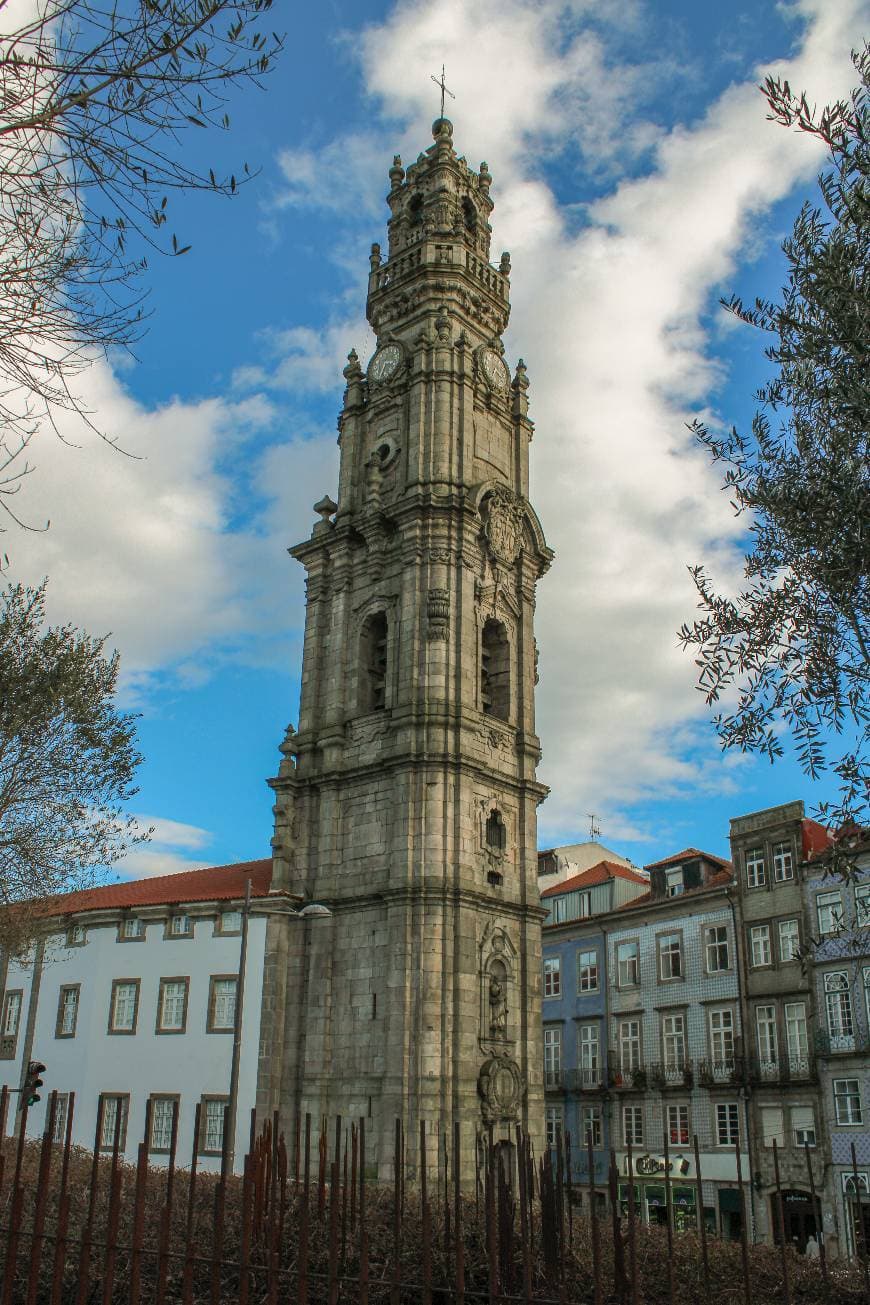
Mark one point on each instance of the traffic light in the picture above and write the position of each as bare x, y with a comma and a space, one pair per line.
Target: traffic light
32, 1084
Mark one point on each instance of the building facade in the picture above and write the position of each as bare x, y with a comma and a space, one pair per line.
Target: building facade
129, 998
575, 1002
770, 851
675, 1037
406, 802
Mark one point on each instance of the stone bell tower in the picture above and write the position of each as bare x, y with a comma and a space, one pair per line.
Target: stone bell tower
405, 805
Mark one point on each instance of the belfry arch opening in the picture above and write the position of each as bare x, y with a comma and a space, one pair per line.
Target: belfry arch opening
373, 663
495, 670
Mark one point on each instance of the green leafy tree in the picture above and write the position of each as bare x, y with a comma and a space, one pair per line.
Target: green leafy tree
67, 762
791, 653
98, 100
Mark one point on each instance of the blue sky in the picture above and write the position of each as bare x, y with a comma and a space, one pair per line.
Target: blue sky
635, 180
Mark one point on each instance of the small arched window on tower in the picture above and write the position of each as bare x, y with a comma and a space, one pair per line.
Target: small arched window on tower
373, 663
495, 670
469, 213
415, 208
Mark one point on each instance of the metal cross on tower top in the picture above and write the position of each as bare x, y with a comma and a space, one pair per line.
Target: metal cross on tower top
439, 81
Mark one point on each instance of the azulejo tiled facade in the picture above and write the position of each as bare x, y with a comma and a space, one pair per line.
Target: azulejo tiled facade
731, 1006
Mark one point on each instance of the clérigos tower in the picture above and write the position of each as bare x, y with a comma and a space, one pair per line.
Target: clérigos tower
405, 804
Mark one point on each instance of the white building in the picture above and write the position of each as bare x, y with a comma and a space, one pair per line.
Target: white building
133, 997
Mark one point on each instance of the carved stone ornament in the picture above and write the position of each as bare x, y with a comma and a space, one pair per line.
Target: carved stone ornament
438, 613
503, 525
500, 1085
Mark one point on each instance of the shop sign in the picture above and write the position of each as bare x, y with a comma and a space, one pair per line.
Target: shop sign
644, 1165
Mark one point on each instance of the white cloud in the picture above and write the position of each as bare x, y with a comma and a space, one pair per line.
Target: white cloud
609, 322
167, 852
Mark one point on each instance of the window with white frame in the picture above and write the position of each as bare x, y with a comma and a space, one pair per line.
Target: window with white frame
125, 1003
838, 1010
765, 1027
796, 1040
722, 1036
116, 1108
162, 1112
754, 862
678, 1125
674, 1040
629, 1045
11, 1013
560, 909
783, 862
632, 1125
212, 1125
76, 936
847, 1101
230, 922
829, 911
554, 1123
628, 964
587, 971
590, 1125
671, 956
803, 1125
789, 940
131, 927
222, 1004
180, 926
60, 1117
716, 945
674, 883
552, 1056
727, 1123
589, 1054
862, 905
759, 945
552, 976
172, 1006
772, 1126
584, 905
67, 1011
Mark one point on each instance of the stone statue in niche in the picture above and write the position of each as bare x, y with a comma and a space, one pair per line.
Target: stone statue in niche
497, 1000
496, 978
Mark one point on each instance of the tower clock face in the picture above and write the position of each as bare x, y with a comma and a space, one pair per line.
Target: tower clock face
385, 363
494, 369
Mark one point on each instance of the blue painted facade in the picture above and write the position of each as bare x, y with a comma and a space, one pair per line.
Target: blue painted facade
576, 1081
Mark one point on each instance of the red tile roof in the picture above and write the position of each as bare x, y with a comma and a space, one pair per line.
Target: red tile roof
814, 838
596, 874
687, 854
216, 883
718, 880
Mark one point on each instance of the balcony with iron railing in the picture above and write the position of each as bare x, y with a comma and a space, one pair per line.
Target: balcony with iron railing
784, 1070
592, 1079
719, 1073
842, 1044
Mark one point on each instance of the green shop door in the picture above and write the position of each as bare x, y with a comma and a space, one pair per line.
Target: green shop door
730, 1213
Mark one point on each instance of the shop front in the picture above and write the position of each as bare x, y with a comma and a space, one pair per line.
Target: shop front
722, 1199
801, 1217
651, 1204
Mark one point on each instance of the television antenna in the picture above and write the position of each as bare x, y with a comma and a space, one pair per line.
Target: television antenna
594, 827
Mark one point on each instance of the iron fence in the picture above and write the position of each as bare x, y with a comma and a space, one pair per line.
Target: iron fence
305, 1223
